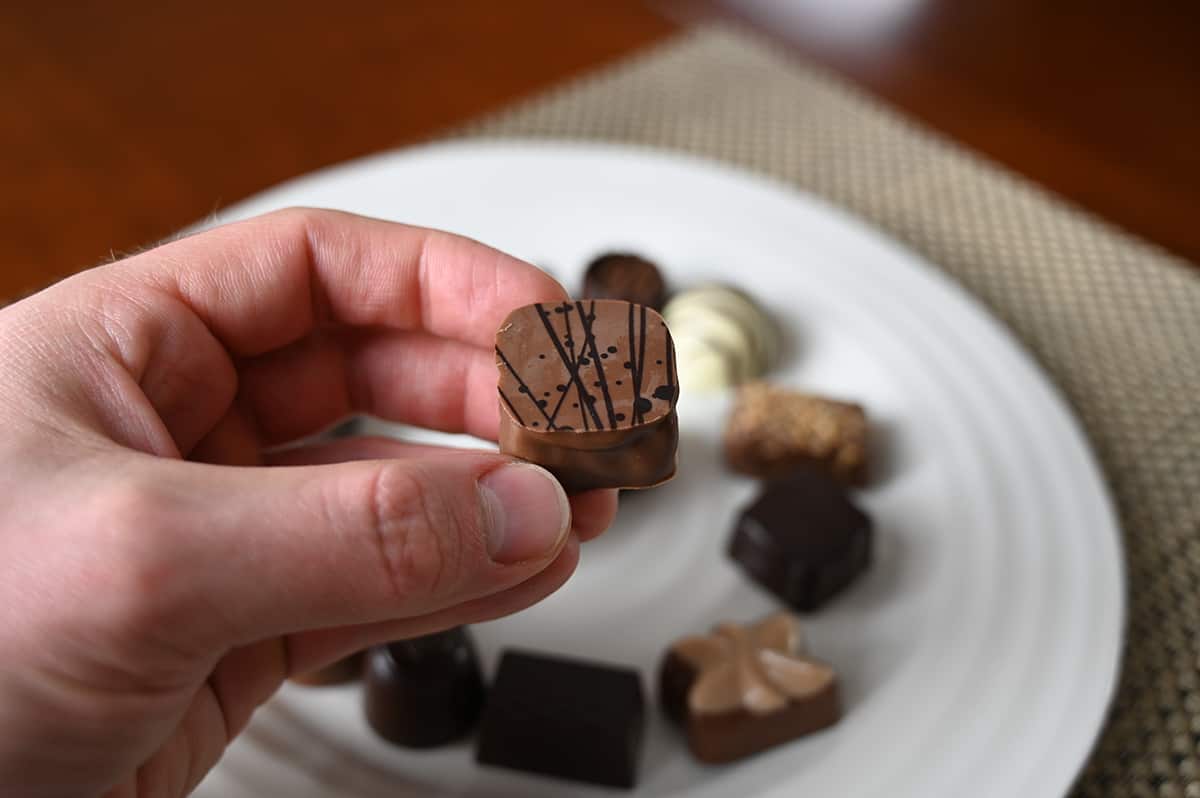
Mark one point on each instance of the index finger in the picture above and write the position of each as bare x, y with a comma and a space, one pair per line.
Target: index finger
266, 282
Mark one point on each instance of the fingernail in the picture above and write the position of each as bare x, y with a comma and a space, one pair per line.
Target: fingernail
527, 513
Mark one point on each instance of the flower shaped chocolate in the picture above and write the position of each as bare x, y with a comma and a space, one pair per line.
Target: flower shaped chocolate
742, 689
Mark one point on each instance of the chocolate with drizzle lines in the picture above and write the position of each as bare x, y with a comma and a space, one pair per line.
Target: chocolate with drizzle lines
588, 390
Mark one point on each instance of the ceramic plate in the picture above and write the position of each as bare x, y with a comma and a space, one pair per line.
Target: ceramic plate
979, 653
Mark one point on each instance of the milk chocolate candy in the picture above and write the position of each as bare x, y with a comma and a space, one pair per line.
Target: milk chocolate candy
424, 692
588, 390
345, 670
566, 718
772, 431
802, 539
627, 277
744, 689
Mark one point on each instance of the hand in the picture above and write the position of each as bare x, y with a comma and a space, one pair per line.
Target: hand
162, 571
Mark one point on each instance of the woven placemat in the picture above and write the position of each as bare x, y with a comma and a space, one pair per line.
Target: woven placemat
1116, 321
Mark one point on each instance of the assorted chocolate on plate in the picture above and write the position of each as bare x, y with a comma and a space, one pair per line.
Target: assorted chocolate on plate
588, 388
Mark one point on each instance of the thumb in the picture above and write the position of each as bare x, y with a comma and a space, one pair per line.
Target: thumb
282, 550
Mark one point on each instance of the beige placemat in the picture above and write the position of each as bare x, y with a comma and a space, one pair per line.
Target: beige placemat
1116, 321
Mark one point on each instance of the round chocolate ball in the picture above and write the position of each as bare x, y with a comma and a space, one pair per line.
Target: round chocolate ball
627, 277
424, 692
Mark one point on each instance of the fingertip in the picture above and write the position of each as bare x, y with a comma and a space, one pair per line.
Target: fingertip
593, 512
528, 513
562, 289
570, 553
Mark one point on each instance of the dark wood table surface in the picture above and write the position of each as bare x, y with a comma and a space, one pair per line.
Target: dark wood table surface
123, 121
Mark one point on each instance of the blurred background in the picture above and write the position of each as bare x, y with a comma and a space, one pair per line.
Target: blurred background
124, 121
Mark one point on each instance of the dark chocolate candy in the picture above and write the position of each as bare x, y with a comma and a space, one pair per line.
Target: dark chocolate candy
631, 278
742, 690
773, 430
588, 391
344, 670
424, 692
802, 539
566, 718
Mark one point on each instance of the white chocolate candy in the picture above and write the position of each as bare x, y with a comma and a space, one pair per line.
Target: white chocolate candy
722, 337
725, 333
741, 308
702, 366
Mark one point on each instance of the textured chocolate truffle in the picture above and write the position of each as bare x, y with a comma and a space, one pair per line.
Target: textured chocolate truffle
347, 669
626, 277
566, 718
802, 539
772, 431
588, 391
742, 690
424, 692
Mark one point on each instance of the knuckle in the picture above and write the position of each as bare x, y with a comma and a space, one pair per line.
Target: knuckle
137, 590
294, 216
419, 533
298, 223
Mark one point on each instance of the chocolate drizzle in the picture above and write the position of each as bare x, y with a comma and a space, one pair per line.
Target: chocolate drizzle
590, 340
670, 391
524, 389
570, 359
508, 403
635, 366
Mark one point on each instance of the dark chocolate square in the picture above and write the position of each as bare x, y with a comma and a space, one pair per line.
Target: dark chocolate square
564, 717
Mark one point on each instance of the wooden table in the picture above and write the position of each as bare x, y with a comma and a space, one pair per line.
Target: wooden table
124, 121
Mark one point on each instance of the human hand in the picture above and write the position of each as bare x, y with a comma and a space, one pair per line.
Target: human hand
163, 569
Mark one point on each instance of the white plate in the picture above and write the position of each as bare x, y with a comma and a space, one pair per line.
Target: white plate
980, 651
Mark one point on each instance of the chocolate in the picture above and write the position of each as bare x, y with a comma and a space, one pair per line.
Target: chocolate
744, 689
588, 391
345, 670
722, 335
772, 431
566, 718
424, 692
630, 278
802, 539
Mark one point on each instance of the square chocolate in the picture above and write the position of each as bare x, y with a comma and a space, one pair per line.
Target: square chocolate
588, 391
566, 718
